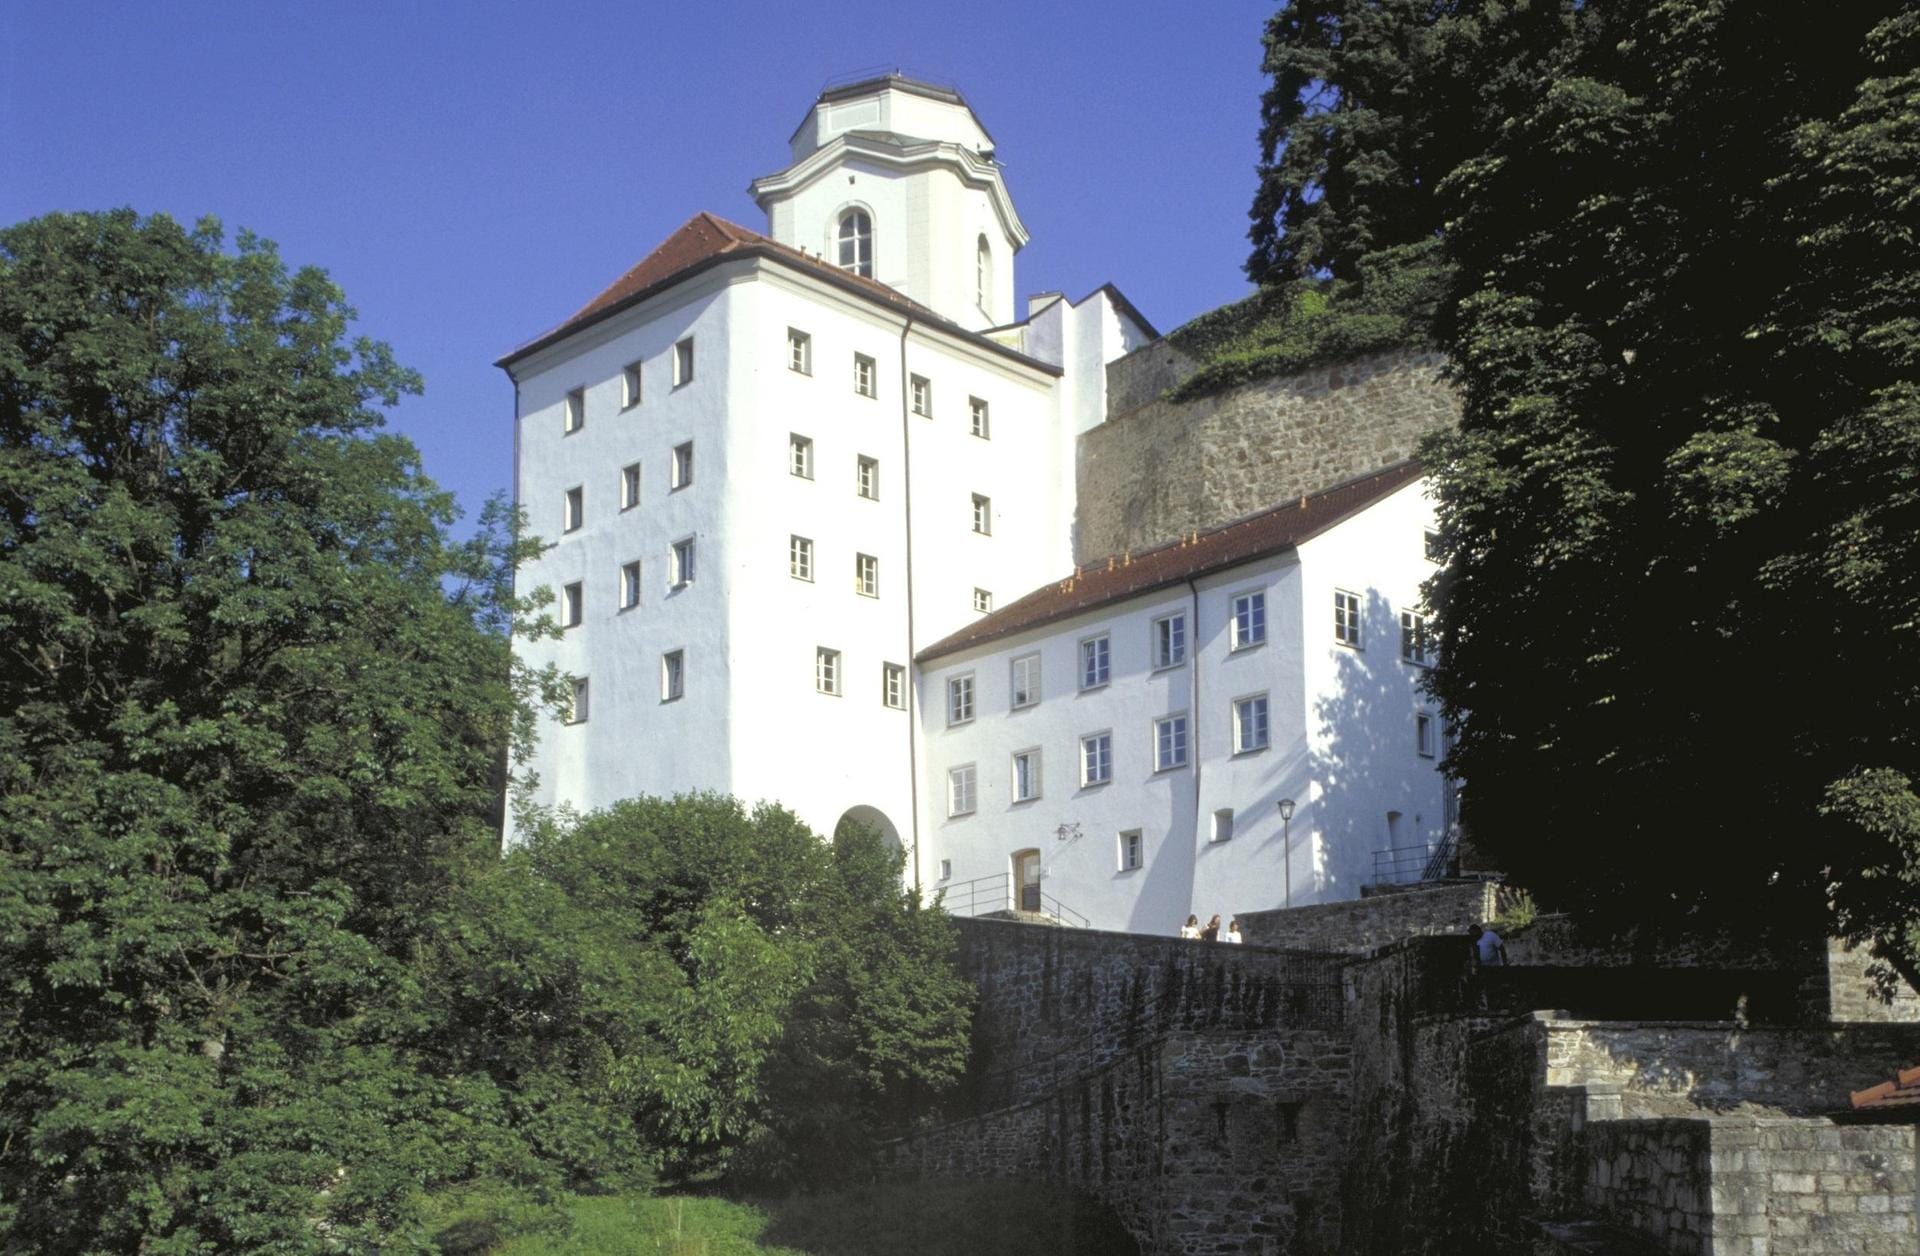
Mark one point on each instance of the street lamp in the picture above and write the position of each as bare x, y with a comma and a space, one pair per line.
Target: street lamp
1286, 845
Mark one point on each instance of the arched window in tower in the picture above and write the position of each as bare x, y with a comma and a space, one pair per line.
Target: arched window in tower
983, 277
856, 242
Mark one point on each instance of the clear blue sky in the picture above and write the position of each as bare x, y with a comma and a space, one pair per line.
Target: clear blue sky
471, 173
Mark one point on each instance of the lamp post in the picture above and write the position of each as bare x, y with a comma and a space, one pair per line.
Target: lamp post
1286, 846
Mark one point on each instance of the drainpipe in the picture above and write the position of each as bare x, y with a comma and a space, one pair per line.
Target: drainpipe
1193, 710
912, 690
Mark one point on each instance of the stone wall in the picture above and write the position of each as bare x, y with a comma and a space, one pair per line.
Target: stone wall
1364, 924
1854, 995
1157, 469
1654, 1177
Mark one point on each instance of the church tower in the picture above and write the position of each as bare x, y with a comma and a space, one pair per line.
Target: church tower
895, 180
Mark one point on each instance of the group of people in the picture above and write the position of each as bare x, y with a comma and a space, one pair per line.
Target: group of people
1210, 932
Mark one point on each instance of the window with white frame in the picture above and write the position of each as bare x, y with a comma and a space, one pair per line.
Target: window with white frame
826, 671
800, 455
673, 675
800, 557
683, 362
1250, 723
1248, 623
573, 509
1026, 775
1026, 680
982, 601
681, 473
1095, 662
681, 574
629, 385
799, 351
864, 382
572, 604
855, 240
577, 701
1096, 758
977, 418
866, 477
1430, 546
960, 699
1170, 742
630, 486
1414, 643
982, 515
576, 411
1223, 825
893, 686
1132, 850
1346, 618
920, 393
946, 869
1423, 734
983, 275
962, 791
1169, 640
866, 575
630, 585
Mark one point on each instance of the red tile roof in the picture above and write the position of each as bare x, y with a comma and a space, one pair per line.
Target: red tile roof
1902, 1092
1121, 577
705, 240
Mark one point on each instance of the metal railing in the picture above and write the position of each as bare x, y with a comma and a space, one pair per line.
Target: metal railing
985, 895
1408, 865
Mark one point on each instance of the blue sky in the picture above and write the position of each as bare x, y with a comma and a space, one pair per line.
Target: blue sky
472, 173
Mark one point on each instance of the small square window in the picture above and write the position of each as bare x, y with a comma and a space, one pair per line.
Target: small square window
1248, 624
800, 456
1026, 680
577, 701
630, 486
1026, 775
982, 601
630, 585
1415, 646
673, 675
1223, 825
962, 794
921, 394
573, 510
977, 418
1423, 734
1430, 546
1169, 742
864, 380
866, 478
576, 411
1346, 618
681, 473
982, 515
866, 575
1095, 662
630, 386
682, 573
826, 671
800, 558
893, 686
1169, 638
1131, 850
572, 603
1250, 724
683, 362
946, 869
799, 352
960, 700
1096, 759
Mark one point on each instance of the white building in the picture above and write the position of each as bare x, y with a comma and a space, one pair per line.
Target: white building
774, 468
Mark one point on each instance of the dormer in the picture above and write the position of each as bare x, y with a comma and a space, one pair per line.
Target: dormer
895, 179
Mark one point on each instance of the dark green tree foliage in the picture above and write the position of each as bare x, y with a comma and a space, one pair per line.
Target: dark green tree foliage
1680, 623
245, 736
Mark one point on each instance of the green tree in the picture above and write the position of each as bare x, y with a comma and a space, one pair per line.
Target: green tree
1678, 621
254, 714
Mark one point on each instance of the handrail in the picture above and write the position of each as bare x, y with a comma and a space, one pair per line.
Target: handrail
983, 895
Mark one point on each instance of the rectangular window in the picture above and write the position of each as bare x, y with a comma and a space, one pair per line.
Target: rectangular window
799, 351
1430, 546
866, 575
866, 478
1169, 639
629, 385
681, 474
1094, 662
893, 686
922, 396
1096, 759
572, 603
1346, 618
982, 601
1423, 734
1026, 680
576, 411
977, 418
1413, 639
961, 792
1026, 775
800, 456
1223, 824
577, 701
630, 486
826, 671
946, 869
682, 573
1250, 724
960, 700
683, 362
1169, 743
1131, 853
864, 382
573, 510
1248, 625
982, 515
800, 558
673, 675
630, 585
